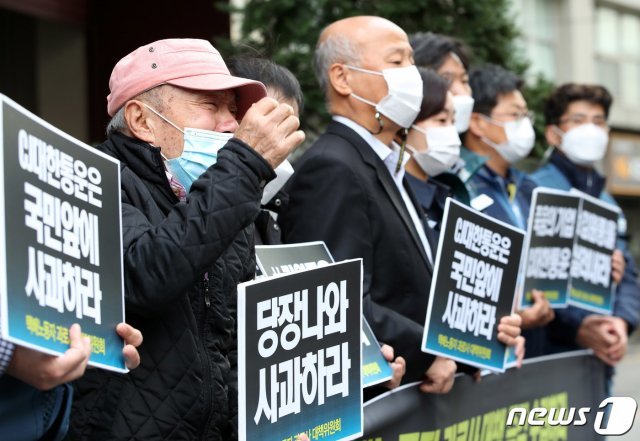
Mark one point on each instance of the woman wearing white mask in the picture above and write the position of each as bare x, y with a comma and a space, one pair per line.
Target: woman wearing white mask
434, 145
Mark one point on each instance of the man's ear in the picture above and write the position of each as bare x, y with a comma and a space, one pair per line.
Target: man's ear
477, 125
339, 79
139, 121
552, 134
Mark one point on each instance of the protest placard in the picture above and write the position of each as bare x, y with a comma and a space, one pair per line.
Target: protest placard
570, 244
550, 238
283, 259
474, 285
299, 353
60, 230
591, 286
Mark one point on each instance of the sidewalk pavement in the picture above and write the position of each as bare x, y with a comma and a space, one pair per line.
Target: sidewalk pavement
627, 383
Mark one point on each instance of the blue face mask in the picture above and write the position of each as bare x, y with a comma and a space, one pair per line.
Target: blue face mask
200, 152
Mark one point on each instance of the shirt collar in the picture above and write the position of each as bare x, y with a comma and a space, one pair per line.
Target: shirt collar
382, 150
583, 179
388, 155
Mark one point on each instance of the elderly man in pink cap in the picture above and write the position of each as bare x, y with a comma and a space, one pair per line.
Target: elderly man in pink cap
192, 180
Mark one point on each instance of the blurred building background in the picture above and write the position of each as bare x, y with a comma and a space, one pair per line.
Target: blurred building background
57, 55
594, 41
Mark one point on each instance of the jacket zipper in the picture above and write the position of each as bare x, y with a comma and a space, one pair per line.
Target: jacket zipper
207, 300
208, 399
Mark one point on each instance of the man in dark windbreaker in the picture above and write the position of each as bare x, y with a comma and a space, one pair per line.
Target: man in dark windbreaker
191, 182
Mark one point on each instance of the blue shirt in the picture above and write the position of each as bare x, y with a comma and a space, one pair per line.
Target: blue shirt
507, 199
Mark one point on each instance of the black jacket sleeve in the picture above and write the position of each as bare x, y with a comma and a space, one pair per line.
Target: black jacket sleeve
163, 261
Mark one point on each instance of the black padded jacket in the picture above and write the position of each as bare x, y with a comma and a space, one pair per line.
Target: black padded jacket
182, 263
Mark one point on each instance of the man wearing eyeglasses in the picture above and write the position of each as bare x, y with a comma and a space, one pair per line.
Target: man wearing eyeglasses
500, 134
576, 117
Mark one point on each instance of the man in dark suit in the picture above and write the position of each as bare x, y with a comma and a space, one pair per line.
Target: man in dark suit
349, 188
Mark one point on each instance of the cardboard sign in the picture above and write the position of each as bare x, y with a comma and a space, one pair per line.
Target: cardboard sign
299, 354
591, 285
60, 230
283, 259
551, 235
570, 244
474, 285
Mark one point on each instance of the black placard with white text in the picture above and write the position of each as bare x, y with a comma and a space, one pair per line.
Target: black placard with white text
299, 354
551, 235
592, 287
60, 230
474, 283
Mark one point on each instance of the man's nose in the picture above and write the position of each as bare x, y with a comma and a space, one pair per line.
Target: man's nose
226, 121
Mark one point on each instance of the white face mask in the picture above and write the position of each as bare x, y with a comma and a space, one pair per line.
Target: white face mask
585, 144
520, 139
199, 153
463, 104
443, 149
404, 97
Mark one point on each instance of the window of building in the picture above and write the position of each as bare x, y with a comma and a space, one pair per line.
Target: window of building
537, 21
618, 54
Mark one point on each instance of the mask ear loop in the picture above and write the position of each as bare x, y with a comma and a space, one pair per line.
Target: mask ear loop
164, 118
403, 145
547, 153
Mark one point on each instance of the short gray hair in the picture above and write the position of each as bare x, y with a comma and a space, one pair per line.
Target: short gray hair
152, 96
117, 123
334, 49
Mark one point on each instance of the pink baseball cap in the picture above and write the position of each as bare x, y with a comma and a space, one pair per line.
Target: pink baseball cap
183, 62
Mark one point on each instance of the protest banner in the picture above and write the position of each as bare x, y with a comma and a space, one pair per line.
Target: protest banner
550, 239
60, 230
567, 386
283, 259
474, 283
591, 285
299, 349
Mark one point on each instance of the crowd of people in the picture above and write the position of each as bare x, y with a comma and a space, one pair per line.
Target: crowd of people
412, 123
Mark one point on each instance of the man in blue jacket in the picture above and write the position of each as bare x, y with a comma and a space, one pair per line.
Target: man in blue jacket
501, 134
576, 117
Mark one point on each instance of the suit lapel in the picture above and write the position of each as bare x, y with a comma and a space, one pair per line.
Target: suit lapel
374, 161
430, 233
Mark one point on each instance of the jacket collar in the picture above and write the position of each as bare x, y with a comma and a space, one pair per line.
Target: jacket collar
142, 158
471, 163
584, 179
